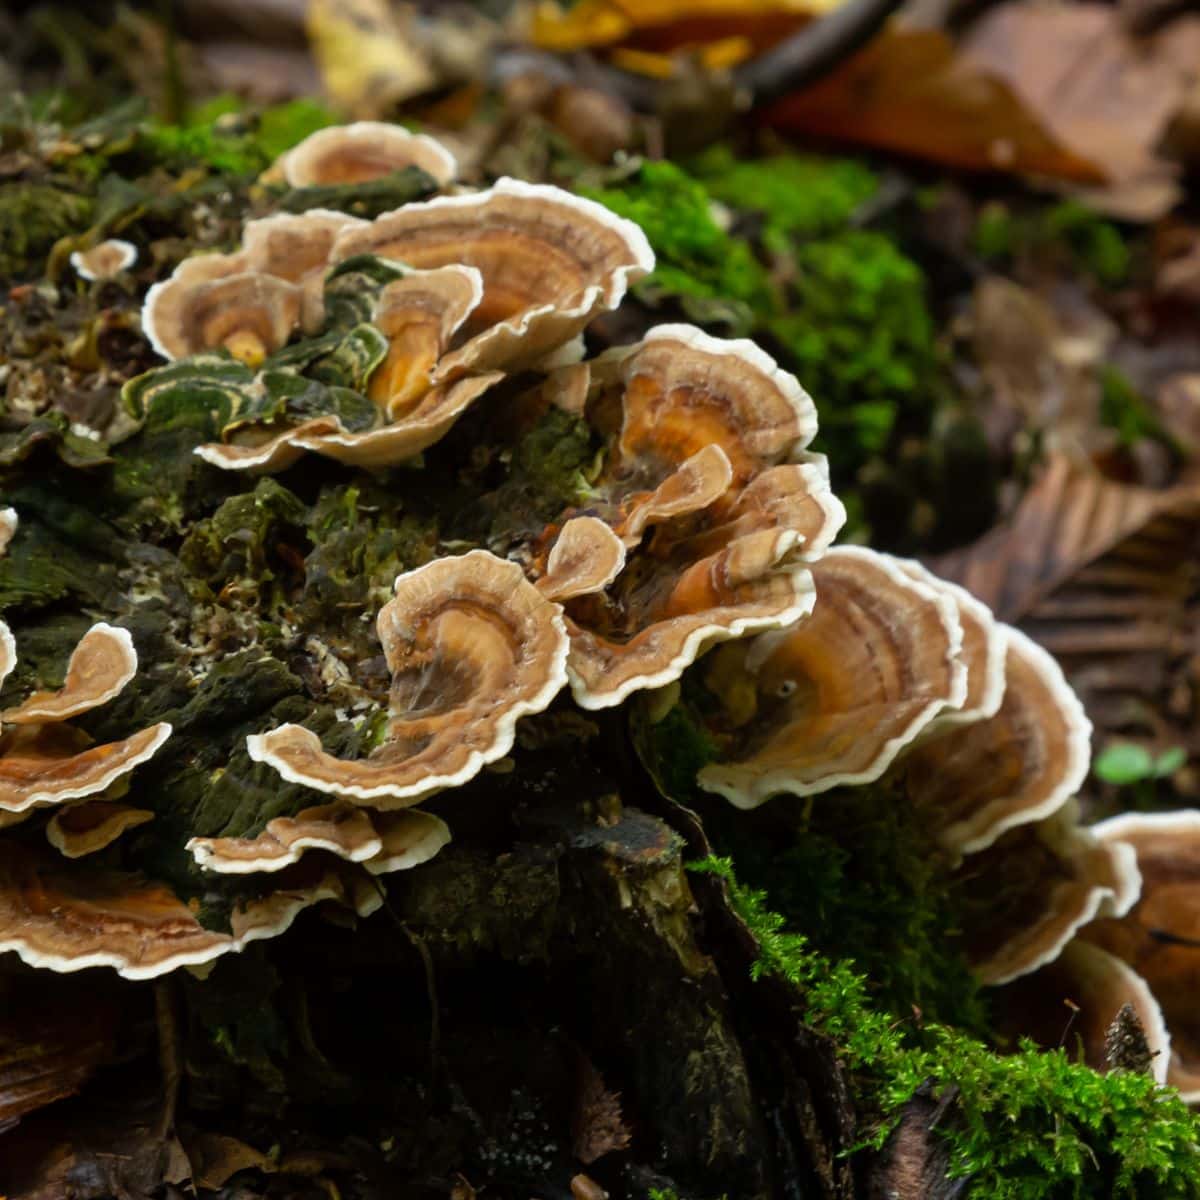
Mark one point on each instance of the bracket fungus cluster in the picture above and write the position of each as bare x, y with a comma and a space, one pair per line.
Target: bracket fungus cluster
710, 489
697, 522
900, 674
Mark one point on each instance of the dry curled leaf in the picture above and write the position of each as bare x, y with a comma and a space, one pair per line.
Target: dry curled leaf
1103, 576
911, 92
1102, 92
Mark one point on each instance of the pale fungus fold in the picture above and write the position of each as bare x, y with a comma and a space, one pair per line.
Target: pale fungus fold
1035, 887
215, 301
472, 647
44, 762
105, 260
973, 782
549, 262
362, 151
709, 486
837, 697
76, 830
64, 916
382, 842
1159, 937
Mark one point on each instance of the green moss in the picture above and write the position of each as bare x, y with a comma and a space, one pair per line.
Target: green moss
236, 544
853, 854
33, 216
797, 195
1124, 409
860, 336
222, 135
1069, 231
1027, 1126
697, 257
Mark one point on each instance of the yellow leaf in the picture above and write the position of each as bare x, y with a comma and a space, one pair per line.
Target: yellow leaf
367, 60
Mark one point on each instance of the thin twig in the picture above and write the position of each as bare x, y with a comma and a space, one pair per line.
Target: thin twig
813, 51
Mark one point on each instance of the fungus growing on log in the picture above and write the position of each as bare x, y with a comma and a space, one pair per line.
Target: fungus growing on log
380, 841
105, 260
295, 247
586, 557
1023, 763
549, 261
1159, 937
837, 697
362, 151
705, 435
1030, 891
65, 916
215, 300
44, 762
80, 829
983, 652
472, 647
1076, 999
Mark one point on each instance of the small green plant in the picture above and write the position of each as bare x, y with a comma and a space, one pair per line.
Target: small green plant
1069, 230
1124, 763
1027, 1126
1124, 409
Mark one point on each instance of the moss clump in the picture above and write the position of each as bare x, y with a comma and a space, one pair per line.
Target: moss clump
854, 854
860, 335
222, 136
1027, 1126
697, 258
33, 216
844, 309
796, 196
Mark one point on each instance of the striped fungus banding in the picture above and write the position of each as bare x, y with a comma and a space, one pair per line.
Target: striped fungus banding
64, 916
44, 762
362, 151
76, 830
472, 647
974, 782
834, 699
1053, 877
550, 261
1159, 936
382, 842
709, 486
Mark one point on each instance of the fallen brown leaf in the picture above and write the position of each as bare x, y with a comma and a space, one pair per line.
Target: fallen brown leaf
1099, 90
909, 91
1102, 574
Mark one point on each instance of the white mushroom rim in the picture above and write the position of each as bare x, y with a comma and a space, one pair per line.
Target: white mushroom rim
96, 785
439, 163
784, 382
232, 944
1078, 749
258, 745
705, 637
609, 293
124, 256
745, 790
